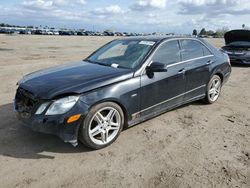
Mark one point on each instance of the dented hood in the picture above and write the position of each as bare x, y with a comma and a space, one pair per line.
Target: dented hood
72, 78
237, 36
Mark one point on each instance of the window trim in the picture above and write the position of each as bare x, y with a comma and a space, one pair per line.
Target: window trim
148, 61
163, 43
205, 47
193, 59
181, 46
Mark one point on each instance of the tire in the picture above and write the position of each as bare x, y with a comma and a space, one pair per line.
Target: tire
98, 130
213, 90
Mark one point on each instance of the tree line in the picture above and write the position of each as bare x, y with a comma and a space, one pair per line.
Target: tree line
218, 33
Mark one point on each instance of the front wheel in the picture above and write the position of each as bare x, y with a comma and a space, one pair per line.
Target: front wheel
102, 125
213, 89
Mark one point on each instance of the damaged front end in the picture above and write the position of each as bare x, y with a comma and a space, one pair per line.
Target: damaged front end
28, 110
238, 46
238, 55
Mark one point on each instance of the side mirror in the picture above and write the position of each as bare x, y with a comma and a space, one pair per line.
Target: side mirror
157, 67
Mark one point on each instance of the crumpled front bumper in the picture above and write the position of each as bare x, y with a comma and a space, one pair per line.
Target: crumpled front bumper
237, 59
56, 124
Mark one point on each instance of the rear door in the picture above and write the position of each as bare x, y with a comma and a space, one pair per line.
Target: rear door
198, 60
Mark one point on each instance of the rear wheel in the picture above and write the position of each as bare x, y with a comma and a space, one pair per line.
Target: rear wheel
102, 125
213, 89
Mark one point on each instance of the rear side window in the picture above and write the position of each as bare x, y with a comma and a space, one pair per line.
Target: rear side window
168, 53
191, 49
205, 51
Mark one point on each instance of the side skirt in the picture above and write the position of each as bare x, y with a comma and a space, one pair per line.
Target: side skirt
161, 111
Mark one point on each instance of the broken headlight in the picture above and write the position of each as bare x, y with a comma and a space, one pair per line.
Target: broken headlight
62, 105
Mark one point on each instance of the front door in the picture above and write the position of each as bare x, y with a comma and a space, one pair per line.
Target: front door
165, 89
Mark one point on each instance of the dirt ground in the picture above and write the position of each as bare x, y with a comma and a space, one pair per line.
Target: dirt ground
195, 145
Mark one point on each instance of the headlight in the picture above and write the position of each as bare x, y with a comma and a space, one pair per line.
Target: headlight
62, 105
228, 52
42, 108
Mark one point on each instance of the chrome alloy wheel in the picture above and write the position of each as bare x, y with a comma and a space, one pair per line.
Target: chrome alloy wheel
104, 125
214, 90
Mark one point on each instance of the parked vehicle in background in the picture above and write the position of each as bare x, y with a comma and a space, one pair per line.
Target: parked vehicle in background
22, 32
125, 82
37, 32
50, 33
79, 33
65, 33
55, 33
108, 33
88, 33
118, 34
98, 34
2, 31
238, 46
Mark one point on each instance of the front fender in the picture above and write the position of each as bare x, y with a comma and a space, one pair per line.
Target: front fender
125, 93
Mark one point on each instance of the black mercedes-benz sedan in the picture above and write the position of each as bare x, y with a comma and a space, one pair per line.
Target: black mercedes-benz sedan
238, 46
125, 82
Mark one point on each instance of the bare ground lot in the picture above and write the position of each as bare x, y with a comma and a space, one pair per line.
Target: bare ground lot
195, 145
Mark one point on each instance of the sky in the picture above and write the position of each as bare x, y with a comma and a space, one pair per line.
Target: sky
163, 16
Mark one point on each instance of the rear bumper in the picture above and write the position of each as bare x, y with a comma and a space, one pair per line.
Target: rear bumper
226, 77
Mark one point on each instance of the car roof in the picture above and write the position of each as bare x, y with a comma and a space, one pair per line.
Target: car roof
156, 38
159, 39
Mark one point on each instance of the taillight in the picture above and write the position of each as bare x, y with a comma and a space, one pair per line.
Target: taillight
225, 54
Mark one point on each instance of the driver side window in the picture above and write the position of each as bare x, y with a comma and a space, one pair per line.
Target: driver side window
168, 53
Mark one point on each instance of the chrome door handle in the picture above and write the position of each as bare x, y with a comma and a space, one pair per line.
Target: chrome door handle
182, 71
209, 62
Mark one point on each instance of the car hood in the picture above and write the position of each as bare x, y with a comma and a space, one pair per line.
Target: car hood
73, 78
237, 36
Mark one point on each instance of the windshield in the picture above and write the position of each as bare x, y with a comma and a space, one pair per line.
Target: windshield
122, 53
